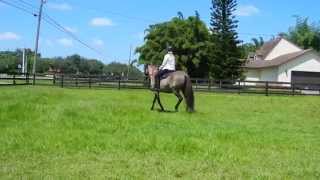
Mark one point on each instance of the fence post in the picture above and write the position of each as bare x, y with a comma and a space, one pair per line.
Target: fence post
239, 86
209, 85
62, 78
34, 79
119, 84
14, 79
27, 78
196, 84
220, 84
267, 88
89, 81
293, 89
54, 79
77, 81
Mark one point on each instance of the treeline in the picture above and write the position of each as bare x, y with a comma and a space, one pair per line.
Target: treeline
11, 62
304, 33
214, 51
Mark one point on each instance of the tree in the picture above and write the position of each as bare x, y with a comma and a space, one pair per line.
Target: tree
251, 47
258, 43
226, 63
304, 34
119, 69
189, 38
247, 48
74, 64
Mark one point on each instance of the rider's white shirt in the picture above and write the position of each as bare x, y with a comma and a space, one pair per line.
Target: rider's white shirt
169, 62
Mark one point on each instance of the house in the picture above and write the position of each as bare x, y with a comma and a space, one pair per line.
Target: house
280, 60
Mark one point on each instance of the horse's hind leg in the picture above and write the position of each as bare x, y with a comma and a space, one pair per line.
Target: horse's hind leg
180, 99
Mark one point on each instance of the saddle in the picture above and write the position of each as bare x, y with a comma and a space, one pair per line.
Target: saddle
164, 76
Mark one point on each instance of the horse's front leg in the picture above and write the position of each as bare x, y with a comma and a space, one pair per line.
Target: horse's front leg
159, 101
154, 101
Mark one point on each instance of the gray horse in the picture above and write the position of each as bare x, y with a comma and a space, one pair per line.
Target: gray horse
174, 83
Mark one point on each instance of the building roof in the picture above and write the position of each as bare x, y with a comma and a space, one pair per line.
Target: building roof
257, 64
268, 47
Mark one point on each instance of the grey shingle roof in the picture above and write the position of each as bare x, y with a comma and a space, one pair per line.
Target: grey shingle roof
276, 61
267, 48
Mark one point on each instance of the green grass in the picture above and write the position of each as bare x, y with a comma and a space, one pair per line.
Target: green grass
54, 133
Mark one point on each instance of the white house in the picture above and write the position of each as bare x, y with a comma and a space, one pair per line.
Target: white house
282, 61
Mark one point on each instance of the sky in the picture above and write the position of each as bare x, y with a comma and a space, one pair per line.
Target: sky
113, 26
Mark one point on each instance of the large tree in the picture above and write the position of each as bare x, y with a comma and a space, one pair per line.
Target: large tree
226, 62
189, 38
304, 34
251, 47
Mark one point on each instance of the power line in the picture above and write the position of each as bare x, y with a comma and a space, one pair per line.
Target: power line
149, 20
119, 14
28, 4
18, 7
59, 27
254, 34
51, 22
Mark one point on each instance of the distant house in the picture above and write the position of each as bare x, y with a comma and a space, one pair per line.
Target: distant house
282, 61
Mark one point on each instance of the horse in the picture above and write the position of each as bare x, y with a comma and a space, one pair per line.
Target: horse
174, 82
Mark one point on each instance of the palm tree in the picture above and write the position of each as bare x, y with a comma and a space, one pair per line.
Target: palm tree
258, 43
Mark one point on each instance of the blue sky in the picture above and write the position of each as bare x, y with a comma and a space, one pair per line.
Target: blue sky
113, 26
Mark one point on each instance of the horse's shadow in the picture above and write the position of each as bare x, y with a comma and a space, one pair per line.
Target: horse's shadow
167, 111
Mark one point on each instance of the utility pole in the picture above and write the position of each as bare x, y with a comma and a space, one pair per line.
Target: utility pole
37, 37
129, 63
23, 60
26, 64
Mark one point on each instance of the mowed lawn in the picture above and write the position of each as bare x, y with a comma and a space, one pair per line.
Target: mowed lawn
54, 133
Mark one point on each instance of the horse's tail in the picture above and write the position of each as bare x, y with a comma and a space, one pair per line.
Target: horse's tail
188, 94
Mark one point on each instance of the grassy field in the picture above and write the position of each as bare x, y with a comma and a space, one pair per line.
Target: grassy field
54, 133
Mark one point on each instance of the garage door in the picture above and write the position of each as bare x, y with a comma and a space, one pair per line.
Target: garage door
306, 80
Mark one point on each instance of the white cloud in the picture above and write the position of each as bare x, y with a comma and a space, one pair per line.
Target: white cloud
100, 21
247, 10
98, 42
9, 36
60, 6
65, 42
71, 29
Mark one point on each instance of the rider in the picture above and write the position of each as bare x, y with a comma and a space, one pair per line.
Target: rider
168, 65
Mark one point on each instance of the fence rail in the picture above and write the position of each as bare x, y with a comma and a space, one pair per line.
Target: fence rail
206, 85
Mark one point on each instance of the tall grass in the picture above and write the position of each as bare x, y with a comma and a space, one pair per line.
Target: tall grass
54, 133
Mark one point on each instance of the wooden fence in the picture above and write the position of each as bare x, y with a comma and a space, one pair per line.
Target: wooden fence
205, 85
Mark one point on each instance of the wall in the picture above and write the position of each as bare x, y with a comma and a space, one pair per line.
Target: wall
309, 62
283, 47
269, 74
252, 75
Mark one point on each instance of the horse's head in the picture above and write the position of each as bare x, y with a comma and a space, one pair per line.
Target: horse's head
151, 71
